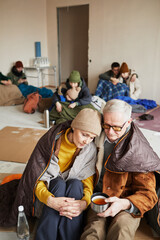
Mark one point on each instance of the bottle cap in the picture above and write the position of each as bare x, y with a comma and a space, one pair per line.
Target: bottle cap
20, 208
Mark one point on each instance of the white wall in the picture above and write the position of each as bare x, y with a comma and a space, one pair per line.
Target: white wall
118, 31
22, 23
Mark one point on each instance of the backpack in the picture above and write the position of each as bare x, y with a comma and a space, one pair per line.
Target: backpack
31, 102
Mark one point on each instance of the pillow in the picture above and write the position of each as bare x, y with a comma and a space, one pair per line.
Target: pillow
10, 95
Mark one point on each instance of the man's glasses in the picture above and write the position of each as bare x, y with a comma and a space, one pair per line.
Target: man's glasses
115, 128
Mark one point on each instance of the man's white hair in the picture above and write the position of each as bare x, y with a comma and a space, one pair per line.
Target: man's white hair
116, 105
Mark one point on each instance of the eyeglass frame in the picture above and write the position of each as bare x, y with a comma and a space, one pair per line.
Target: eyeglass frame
109, 126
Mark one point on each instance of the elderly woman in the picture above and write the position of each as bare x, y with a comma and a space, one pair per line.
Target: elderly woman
67, 185
59, 177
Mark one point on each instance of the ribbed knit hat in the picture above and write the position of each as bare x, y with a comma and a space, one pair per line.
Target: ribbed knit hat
124, 68
75, 77
73, 92
19, 64
88, 120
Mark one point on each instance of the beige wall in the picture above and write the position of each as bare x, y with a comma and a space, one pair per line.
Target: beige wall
73, 40
22, 23
118, 31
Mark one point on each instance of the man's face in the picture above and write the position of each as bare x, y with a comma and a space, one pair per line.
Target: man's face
115, 70
19, 69
116, 119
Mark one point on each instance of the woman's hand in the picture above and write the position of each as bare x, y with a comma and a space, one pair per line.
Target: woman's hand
116, 205
58, 107
73, 209
133, 78
58, 202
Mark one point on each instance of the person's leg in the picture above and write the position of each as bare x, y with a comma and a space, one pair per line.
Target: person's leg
48, 224
71, 229
95, 227
123, 227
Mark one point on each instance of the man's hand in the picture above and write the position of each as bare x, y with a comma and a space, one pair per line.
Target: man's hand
22, 80
6, 82
72, 105
114, 80
116, 205
58, 107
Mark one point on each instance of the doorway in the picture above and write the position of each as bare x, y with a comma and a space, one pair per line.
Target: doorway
73, 25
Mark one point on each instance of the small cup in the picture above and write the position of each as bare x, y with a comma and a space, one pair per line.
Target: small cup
98, 203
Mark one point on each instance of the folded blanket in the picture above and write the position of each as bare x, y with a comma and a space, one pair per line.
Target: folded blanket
148, 104
67, 113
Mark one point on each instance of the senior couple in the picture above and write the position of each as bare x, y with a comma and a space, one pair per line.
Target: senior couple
68, 165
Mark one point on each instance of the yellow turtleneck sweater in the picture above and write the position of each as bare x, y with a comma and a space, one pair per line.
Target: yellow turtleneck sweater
66, 152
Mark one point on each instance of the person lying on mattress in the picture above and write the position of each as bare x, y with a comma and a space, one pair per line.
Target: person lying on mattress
19, 78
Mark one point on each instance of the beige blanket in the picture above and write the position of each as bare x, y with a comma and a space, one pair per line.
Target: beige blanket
10, 95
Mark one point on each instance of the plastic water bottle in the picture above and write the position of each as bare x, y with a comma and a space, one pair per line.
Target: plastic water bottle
22, 225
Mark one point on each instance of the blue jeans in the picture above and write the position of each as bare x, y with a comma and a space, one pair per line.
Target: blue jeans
52, 226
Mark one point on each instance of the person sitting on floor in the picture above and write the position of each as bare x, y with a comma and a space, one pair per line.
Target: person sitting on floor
18, 77
59, 176
126, 168
113, 74
130, 77
64, 109
4, 80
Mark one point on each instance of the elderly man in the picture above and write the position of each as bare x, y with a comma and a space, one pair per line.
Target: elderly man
125, 167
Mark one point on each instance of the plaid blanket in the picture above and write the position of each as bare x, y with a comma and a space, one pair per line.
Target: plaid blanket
106, 90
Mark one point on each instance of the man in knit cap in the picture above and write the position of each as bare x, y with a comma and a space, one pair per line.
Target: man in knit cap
126, 173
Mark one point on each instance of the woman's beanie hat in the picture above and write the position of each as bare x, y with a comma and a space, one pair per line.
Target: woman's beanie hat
88, 120
124, 68
19, 64
75, 77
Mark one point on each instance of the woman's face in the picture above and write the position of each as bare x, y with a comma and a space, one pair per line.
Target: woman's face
125, 75
82, 138
73, 84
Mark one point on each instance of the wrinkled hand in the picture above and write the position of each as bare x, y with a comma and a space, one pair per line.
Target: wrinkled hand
58, 107
116, 205
72, 105
6, 82
133, 78
73, 209
68, 207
